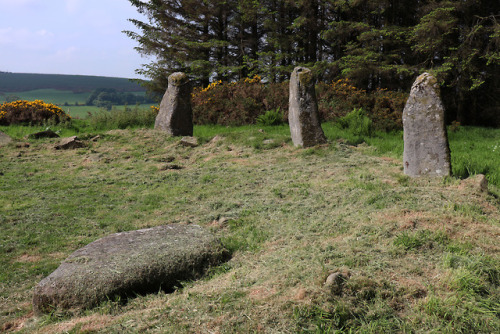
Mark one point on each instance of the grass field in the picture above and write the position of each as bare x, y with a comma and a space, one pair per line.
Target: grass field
54, 96
419, 255
60, 97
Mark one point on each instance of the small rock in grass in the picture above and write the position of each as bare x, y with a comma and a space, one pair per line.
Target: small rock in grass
43, 134
478, 183
189, 141
171, 167
4, 139
216, 139
335, 282
70, 143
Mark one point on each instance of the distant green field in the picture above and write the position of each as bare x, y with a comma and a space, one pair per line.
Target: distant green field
21, 82
51, 96
55, 96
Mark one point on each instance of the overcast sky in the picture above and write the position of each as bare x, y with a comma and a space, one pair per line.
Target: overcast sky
68, 37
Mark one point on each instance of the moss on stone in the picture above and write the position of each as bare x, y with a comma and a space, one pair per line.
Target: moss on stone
305, 77
177, 79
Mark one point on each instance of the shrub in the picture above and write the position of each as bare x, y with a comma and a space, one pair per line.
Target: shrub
31, 112
387, 109
338, 98
270, 117
357, 122
237, 103
242, 102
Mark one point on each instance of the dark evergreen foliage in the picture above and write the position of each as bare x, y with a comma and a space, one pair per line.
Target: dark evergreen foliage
376, 44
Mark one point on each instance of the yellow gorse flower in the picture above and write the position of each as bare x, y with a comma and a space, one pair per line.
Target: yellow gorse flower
212, 85
344, 86
255, 79
37, 107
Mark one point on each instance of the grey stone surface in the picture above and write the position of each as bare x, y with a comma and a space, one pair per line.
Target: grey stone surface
335, 282
70, 143
4, 139
129, 263
478, 183
176, 115
426, 150
303, 115
189, 141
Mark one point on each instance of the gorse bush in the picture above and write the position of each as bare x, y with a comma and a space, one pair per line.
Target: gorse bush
31, 112
237, 103
243, 102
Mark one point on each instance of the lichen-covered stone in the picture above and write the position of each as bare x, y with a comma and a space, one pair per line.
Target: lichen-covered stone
303, 115
70, 143
176, 115
129, 263
426, 150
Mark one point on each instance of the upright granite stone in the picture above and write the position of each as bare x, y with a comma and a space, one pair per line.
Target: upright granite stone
127, 263
426, 150
176, 116
303, 115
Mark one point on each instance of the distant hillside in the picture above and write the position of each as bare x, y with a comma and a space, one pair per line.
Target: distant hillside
22, 82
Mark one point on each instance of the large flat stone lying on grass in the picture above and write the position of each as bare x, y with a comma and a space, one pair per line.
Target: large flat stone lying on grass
129, 263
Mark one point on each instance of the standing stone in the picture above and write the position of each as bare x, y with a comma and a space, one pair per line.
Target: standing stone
303, 115
176, 116
426, 150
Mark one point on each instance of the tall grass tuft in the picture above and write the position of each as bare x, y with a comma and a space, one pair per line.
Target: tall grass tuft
474, 151
123, 118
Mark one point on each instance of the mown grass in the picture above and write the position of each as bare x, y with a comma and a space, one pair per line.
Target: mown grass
418, 255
